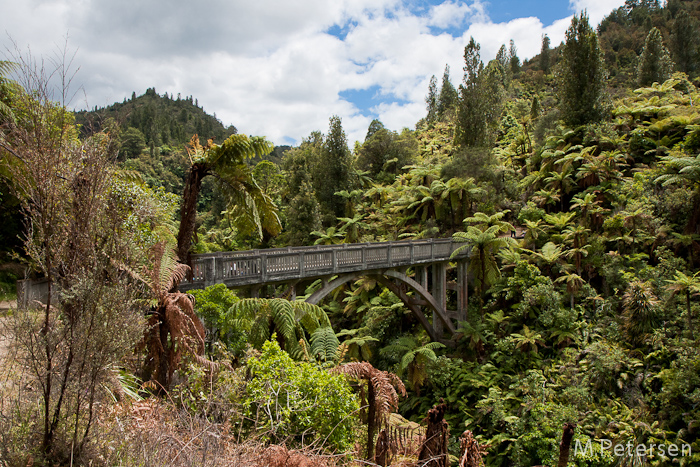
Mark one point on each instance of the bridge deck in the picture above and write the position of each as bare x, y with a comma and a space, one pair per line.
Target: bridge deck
258, 267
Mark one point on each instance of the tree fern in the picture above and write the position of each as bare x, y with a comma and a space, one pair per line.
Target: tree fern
249, 206
412, 357
174, 328
357, 346
292, 321
324, 344
382, 396
282, 313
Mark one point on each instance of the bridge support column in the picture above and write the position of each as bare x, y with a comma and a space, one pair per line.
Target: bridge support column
462, 291
210, 272
439, 292
422, 276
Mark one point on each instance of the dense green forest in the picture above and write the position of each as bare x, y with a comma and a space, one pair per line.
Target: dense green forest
573, 176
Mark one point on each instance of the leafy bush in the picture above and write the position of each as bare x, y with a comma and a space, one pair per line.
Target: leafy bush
211, 304
298, 402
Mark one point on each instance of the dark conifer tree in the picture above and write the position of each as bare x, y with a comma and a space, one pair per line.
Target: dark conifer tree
471, 130
332, 172
535, 109
581, 74
374, 127
685, 39
655, 62
303, 215
431, 101
513, 60
545, 59
480, 98
503, 61
448, 95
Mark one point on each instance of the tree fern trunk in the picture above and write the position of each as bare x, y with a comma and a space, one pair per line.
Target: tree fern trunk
434, 448
188, 212
371, 419
565, 444
163, 370
690, 317
692, 226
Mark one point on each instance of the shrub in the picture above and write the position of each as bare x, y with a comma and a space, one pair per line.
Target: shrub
298, 402
211, 304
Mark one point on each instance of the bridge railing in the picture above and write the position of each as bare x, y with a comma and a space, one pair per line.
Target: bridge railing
237, 269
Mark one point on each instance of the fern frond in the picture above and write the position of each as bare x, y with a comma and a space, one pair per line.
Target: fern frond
384, 383
166, 271
283, 316
324, 344
130, 176
406, 360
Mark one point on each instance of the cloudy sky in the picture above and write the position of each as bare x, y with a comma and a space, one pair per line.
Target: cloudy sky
281, 68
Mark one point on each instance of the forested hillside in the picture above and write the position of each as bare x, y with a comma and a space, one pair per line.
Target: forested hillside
151, 120
574, 177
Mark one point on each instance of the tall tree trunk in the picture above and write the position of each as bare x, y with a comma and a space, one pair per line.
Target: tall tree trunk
371, 420
434, 448
47, 444
188, 213
690, 317
565, 444
694, 221
383, 451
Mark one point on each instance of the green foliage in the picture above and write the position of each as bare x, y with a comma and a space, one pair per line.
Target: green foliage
211, 304
587, 316
412, 358
640, 311
477, 163
358, 345
655, 62
448, 98
299, 403
513, 60
545, 59
331, 171
385, 153
132, 143
484, 244
480, 99
431, 100
218, 396
7, 89
295, 322
303, 216
8, 286
249, 208
581, 74
160, 119
685, 40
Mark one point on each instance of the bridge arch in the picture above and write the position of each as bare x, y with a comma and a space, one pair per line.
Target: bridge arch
391, 279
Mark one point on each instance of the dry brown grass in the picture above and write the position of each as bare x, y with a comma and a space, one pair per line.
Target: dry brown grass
155, 433
159, 432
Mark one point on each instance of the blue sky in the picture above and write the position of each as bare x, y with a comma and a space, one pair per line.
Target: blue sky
279, 68
547, 11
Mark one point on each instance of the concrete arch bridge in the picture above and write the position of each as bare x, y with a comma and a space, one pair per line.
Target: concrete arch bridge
388, 262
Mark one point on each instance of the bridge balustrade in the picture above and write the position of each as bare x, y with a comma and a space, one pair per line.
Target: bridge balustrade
239, 269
